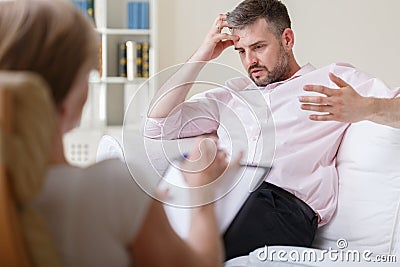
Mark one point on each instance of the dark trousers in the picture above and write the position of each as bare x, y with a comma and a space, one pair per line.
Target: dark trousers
270, 216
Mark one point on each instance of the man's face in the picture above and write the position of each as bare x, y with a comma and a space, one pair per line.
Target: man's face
262, 55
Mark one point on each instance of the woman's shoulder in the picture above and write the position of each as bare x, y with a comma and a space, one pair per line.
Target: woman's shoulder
100, 204
110, 176
102, 169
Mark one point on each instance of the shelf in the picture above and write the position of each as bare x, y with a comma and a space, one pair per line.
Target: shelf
107, 31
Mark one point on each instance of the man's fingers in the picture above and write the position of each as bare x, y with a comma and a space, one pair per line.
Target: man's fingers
226, 44
338, 81
312, 99
325, 117
320, 89
227, 37
220, 23
318, 108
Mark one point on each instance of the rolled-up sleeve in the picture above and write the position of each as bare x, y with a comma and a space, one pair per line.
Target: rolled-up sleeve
199, 115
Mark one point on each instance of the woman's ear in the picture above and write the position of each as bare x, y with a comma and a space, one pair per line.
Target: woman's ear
288, 39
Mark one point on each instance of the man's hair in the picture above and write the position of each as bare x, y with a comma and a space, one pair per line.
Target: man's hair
51, 38
273, 11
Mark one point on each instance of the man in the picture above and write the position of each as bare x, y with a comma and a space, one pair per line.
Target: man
300, 192
347, 105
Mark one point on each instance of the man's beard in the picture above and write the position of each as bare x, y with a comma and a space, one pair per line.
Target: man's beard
280, 72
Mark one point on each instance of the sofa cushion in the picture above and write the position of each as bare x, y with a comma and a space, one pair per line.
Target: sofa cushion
367, 216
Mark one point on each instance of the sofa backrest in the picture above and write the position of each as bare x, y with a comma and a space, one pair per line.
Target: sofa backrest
367, 216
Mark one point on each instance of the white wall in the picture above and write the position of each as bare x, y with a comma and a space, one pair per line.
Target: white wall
182, 26
364, 33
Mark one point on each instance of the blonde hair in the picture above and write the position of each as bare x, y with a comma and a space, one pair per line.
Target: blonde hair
49, 37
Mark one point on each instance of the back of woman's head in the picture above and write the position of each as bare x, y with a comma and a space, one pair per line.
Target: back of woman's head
49, 37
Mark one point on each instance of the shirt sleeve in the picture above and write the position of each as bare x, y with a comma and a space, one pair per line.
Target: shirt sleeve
365, 84
199, 115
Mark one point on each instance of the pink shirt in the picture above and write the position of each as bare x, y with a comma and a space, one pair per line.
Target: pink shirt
303, 151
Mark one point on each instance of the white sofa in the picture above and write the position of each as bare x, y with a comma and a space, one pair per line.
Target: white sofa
367, 219
368, 212
366, 225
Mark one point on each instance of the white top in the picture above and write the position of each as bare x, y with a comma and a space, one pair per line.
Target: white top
93, 214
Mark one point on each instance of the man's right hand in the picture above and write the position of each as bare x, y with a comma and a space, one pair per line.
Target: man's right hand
215, 42
174, 91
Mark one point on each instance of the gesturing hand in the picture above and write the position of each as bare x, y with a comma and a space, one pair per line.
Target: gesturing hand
343, 104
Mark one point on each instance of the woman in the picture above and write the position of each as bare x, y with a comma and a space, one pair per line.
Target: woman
97, 216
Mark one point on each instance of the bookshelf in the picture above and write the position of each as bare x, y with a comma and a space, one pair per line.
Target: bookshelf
112, 24
109, 93
120, 22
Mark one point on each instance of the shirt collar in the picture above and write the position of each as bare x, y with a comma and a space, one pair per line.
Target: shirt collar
302, 71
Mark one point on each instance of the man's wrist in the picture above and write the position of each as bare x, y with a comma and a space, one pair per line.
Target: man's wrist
199, 55
371, 108
196, 58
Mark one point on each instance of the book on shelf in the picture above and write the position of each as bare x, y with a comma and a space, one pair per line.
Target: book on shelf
122, 68
133, 59
100, 59
139, 60
138, 15
90, 8
86, 6
130, 60
145, 59
144, 15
